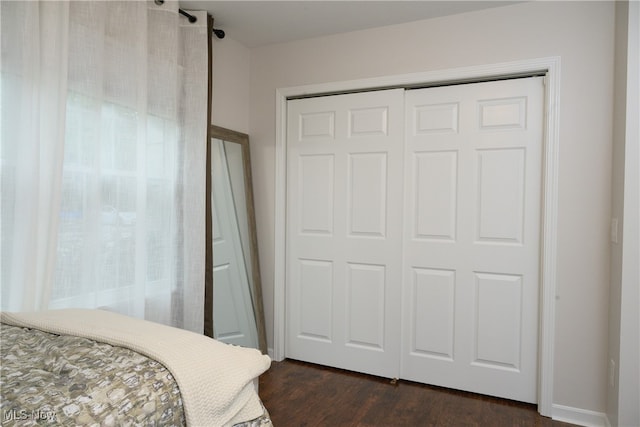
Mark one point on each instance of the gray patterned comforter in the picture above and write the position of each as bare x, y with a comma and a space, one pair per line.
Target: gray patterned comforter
48, 379
67, 380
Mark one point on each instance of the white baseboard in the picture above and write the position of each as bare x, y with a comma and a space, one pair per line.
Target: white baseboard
582, 417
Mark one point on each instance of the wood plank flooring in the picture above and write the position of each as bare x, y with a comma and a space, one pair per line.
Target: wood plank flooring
300, 394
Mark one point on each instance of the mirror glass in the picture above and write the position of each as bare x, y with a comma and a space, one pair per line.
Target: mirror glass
236, 307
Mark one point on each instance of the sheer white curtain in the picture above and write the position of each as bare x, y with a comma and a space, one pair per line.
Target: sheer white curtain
104, 124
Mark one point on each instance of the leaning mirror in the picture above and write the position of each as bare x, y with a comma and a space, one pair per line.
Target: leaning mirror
233, 294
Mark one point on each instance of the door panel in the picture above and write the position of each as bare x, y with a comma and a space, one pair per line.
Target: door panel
315, 191
367, 181
435, 183
433, 305
501, 187
497, 320
344, 230
472, 227
365, 306
315, 305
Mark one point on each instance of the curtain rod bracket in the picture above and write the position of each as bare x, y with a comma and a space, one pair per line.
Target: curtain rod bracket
219, 33
191, 18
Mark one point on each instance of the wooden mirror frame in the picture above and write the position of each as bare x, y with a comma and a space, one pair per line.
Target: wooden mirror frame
256, 283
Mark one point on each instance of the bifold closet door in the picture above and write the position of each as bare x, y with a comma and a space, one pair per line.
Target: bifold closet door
472, 236
344, 230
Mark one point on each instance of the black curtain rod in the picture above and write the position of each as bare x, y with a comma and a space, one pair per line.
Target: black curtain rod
219, 33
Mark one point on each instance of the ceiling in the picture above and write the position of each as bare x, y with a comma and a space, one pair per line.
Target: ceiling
263, 22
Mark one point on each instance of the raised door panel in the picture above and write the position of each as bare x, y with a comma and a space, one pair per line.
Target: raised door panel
433, 313
366, 122
365, 306
315, 309
435, 197
316, 126
367, 206
498, 321
500, 194
315, 191
435, 118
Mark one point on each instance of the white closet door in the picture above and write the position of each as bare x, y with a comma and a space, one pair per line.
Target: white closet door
344, 230
471, 237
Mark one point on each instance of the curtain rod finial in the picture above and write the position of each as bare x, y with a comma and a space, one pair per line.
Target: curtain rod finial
219, 33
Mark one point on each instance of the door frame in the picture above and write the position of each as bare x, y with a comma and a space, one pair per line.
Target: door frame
550, 66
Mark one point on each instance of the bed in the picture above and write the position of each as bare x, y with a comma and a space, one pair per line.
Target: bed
94, 367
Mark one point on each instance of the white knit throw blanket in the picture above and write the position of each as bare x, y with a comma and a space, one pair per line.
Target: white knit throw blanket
215, 379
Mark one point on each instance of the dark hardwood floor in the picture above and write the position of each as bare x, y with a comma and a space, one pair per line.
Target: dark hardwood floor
301, 394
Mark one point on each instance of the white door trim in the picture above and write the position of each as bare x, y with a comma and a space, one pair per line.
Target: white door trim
548, 257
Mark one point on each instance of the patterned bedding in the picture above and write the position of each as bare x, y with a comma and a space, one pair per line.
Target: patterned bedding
50, 379
77, 381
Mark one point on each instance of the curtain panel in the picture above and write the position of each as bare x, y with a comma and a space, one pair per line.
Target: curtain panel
104, 125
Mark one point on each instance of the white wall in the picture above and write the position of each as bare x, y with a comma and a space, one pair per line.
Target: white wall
231, 64
582, 34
